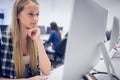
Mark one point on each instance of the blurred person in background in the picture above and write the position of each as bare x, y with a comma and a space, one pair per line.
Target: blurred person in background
55, 35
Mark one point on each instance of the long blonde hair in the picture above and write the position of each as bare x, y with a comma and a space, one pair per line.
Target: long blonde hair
17, 46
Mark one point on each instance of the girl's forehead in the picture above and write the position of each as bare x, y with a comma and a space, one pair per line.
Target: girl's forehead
31, 6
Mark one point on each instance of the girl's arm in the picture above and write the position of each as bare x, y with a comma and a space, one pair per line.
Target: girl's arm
32, 78
44, 62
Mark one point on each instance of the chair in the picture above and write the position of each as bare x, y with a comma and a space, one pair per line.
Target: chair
59, 52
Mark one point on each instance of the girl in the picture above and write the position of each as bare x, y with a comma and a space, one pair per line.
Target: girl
21, 50
55, 35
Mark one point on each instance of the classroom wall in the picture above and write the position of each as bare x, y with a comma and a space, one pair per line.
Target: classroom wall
60, 11
50, 10
112, 6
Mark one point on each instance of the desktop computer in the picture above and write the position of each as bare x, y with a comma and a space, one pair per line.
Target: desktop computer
87, 31
114, 33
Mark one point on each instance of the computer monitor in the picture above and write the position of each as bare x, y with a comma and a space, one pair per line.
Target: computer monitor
88, 27
114, 33
42, 30
48, 30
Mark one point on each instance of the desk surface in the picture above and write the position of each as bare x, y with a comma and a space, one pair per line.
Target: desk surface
44, 37
57, 73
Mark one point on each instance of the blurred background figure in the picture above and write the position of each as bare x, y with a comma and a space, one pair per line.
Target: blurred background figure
55, 35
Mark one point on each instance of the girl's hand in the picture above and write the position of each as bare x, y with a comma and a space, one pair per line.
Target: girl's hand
34, 33
38, 78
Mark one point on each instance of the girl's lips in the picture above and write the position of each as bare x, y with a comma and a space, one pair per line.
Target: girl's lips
28, 28
34, 23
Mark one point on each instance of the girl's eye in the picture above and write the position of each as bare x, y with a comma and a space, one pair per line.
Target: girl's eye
31, 14
37, 14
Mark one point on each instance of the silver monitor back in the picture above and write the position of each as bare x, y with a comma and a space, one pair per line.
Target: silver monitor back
114, 33
88, 26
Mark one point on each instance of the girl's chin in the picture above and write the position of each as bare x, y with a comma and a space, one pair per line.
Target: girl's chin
29, 27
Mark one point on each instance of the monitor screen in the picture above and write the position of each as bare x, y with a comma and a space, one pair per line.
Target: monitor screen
88, 27
48, 30
42, 30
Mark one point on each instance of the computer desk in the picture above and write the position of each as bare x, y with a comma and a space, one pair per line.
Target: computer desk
44, 36
57, 73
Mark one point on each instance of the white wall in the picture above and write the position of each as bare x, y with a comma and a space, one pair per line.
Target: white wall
50, 10
113, 7
7, 9
60, 11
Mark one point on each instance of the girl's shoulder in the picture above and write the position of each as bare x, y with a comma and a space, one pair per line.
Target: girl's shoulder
6, 36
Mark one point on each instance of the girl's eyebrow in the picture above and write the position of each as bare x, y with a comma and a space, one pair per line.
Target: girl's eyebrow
33, 11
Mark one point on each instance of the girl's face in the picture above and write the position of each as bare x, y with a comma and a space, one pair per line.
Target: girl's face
29, 16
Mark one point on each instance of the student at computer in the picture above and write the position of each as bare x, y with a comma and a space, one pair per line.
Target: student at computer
22, 55
55, 35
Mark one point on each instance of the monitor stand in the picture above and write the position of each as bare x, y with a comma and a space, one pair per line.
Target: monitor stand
107, 61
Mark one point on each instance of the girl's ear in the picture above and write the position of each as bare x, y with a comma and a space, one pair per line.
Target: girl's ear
18, 16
